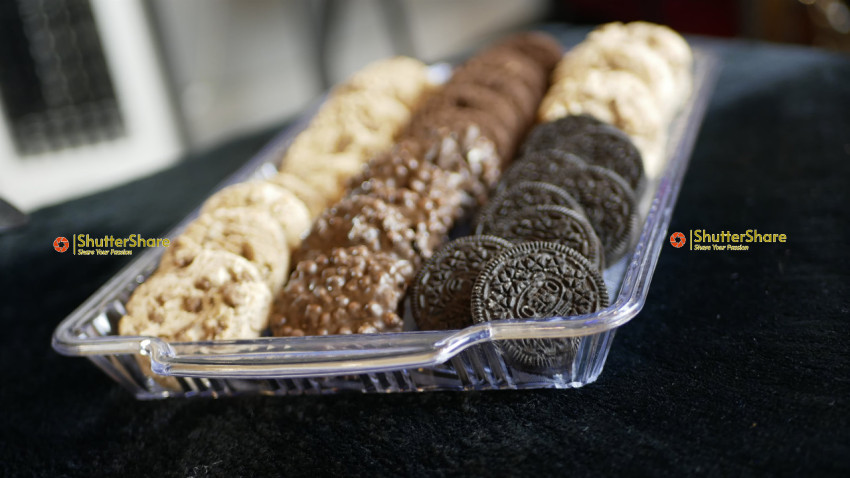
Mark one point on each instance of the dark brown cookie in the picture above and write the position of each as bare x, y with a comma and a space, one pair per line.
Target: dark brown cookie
347, 291
361, 220
405, 168
543, 166
466, 96
523, 99
538, 280
471, 155
595, 142
550, 134
547, 223
522, 195
608, 202
441, 293
608, 148
512, 64
541, 47
429, 219
436, 118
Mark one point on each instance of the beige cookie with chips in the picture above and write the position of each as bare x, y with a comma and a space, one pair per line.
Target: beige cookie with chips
364, 113
284, 206
247, 232
613, 96
332, 137
311, 198
327, 174
404, 78
218, 296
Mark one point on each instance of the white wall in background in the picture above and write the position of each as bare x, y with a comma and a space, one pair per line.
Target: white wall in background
243, 65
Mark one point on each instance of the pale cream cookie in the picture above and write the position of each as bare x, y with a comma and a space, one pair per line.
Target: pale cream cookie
661, 39
218, 296
406, 79
247, 232
613, 96
364, 112
327, 174
311, 198
281, 204
635, 58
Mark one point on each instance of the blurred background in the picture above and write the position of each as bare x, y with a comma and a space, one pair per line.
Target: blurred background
97, 92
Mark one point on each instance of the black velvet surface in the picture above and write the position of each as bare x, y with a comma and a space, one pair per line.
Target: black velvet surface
738, 364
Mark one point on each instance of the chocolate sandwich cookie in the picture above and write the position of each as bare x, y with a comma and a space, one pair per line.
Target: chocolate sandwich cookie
520, 196
548, 223
346, 291
441, 293
538, 280
542, 48
361, 220
608, 202
550, 135
609, 148
544, 166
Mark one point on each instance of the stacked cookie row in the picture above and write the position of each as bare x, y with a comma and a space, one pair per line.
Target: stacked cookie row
218, 278
568, 204
634, 76
559, 190
360, 119
354, 266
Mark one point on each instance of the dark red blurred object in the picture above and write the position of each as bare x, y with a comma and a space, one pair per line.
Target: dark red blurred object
706, 17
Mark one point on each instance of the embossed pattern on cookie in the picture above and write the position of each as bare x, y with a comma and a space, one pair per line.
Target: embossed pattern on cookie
441, 293
548, 223
538, 280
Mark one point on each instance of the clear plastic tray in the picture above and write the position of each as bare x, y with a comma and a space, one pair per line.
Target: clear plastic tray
466, 359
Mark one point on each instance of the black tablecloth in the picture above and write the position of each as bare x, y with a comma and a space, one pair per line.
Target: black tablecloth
738, 364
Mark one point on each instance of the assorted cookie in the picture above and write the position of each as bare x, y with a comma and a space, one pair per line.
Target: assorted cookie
401, 206
634, 76
367, 195
261, 223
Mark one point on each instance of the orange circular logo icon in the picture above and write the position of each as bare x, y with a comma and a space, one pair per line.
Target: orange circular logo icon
677, 239
60, 244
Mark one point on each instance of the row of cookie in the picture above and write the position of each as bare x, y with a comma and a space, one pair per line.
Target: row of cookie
472, 127
246, 232
360, 118
354, 266
635, 76
559, 190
